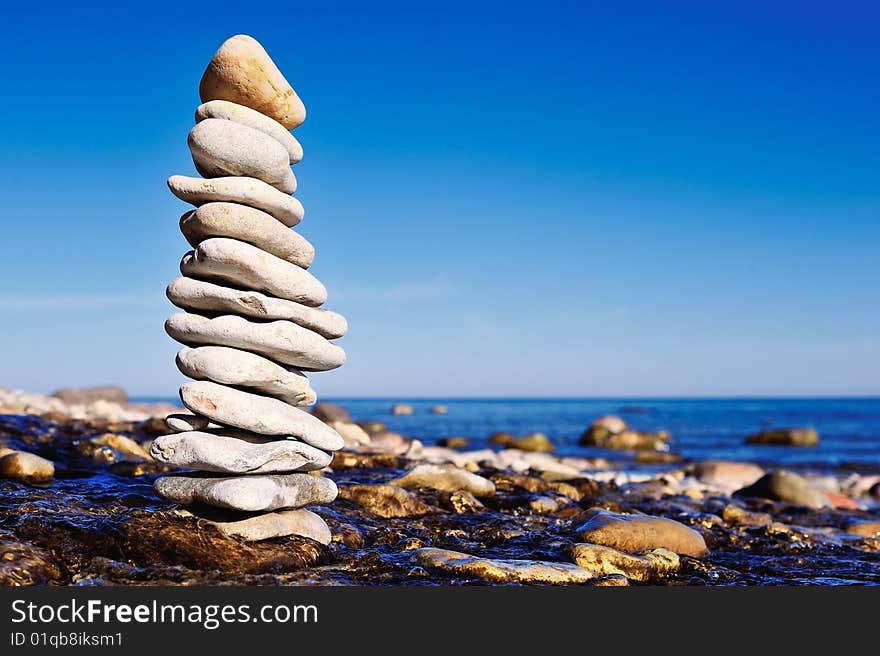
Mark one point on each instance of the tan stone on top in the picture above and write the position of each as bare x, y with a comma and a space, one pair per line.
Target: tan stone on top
242, 72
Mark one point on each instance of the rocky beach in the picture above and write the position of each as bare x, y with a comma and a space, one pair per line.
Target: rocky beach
78, 508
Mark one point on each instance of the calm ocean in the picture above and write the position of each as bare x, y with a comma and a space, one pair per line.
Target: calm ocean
849, 429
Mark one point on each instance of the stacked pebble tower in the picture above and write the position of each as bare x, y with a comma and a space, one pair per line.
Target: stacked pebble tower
251, 323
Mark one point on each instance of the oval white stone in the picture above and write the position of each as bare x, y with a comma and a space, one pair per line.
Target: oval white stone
231, 111
245, 191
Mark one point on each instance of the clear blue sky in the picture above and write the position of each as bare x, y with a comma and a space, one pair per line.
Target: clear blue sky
532, 199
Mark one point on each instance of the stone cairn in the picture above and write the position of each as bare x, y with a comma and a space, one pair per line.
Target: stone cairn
252, 323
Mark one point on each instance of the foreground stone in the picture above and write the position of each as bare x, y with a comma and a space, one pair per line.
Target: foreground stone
247, 493
278, 524
384, 500
726, 475
26, 467
786, 437
223, 148
200, 295
242, 72
783, 485
603, 561
230, 111
244, 265
230, 366
446, 478
237, 452
500, 570
637, 533
258, 414
282, 341
249, 225
236, 189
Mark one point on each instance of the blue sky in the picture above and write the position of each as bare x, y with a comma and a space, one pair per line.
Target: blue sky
530, 199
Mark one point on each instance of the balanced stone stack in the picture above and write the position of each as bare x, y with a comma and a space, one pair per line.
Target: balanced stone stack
251, 323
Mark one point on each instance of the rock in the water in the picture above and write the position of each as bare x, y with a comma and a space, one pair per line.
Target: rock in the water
246, 266
537, 442
124, 446
626, 440
402, 409
331, 412
461, 501
237, 452
786, 437
230, 366
742, 517
439, 410
258, 414
728, 476
26, 467
247, 493
186, 421
249, 225
866, 529
602, 561
353, 435
236, 189
447, 478
223, 148
242, 72
783, 485
636, 533
278, 524
230, 111
282, 341
384, 500
199, 295
500, 570
87, 395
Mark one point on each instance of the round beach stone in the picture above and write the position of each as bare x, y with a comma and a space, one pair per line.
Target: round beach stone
223, 148
236, 452
277, 524
186, 421
249, 225
230, 111
281, 341
26, 467
783, 485
258, 414
201, 295
235, 189
242, 72
635, 533
230, 366
247, 266
247, 493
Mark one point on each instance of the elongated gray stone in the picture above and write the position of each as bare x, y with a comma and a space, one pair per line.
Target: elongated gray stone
249, 225
258, 414
201, 295
235, 189
248, 493
230, 366
276, 524
247, 266
231, 111
281, 341
237, 452
185, 421
224, 148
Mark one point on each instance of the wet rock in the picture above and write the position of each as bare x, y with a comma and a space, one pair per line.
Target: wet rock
350, 460
867, 529
87, 395
544, 505
384, 500
783, 485
26, 467
446, 478
329, 412
125, 446
402, 409
454, 442
636, 533
603, 561
500, 570
461, 501
611, 581
282, 523
439, 410
25, 564
741, 517
786, 437
726, 475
